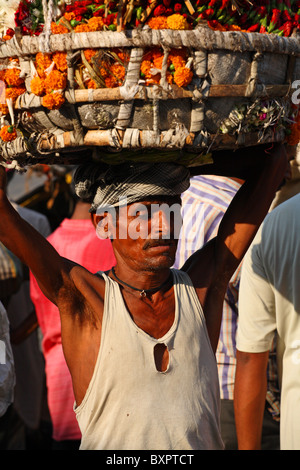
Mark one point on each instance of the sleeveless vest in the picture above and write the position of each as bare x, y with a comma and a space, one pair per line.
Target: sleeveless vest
129, 404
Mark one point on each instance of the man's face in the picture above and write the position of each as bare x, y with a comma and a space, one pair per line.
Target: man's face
146, 233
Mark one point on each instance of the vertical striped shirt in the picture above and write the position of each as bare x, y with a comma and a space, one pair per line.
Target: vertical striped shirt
203, 207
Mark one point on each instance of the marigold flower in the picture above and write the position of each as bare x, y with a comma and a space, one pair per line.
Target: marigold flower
37, 86
183, 76
53, 100
95, 23
58, 28
111, 82
3, 109
69, 15
82, 28
92, 84
8, 133
145, 68
12, 77
177, 21
124, 56
41, 72
89, 53
55, 80
14, 92
118, 71
158, 22
60, 60
43, 61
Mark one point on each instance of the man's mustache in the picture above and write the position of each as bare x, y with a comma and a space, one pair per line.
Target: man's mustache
158, 242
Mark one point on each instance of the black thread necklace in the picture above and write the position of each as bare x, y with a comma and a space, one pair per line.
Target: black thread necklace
142, 292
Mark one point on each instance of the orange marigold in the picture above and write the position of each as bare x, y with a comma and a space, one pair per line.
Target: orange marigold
158, 22
110, 82
103, 72
55, 80
43, 61
3, 109
118, 71
177, 21
60, 60
92, 84
157, 58
82, 28
178, 57
53, 100
70, 15
37, 86
95, 23
89, 53
14, 92
183, 76
12, 77
41, 72
145, 68
58, 28
8, 133
169, 78
124, 56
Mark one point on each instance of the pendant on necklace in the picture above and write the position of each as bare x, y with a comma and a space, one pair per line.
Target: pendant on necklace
143, 293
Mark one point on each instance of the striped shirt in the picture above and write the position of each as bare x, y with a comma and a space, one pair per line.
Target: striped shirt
203, 207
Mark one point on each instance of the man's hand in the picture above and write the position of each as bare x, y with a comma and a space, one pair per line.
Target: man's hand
242, 163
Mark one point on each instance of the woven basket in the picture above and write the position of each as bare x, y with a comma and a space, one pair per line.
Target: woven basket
232, 71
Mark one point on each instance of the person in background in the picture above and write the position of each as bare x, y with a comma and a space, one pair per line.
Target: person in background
7, 383
30, 401
74, 239
206, 201
10, 280
203, 207
269, 305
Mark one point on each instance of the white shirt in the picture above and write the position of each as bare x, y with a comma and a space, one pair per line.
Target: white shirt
269, 300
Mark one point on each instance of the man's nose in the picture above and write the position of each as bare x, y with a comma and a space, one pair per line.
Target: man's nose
160, 223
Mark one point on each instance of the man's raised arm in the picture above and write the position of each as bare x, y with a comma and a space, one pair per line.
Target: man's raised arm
29, 246
212, 267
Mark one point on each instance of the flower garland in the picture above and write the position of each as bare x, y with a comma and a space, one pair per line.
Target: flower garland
107, 68
263, 16
50, 79
178, 72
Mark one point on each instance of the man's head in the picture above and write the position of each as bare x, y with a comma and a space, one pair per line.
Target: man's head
138, 206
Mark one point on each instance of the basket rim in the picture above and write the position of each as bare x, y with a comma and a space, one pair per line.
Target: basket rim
200, 38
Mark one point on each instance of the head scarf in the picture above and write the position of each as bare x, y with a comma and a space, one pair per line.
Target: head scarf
118, 185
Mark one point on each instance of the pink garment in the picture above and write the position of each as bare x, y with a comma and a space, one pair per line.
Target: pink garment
76, 240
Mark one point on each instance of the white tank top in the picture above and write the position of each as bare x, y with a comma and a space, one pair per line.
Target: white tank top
129, 404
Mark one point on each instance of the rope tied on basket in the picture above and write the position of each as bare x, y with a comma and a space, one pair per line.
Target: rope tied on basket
112, 186
44, 38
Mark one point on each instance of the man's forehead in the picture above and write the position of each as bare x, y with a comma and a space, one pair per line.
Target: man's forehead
158, 200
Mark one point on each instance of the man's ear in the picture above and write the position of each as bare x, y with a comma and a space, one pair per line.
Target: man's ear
95, 218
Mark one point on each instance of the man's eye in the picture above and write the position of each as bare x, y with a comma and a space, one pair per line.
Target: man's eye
142, 215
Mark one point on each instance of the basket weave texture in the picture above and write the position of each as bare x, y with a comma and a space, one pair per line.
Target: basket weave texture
236, 76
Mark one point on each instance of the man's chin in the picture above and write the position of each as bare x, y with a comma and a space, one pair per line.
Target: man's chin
161, 262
